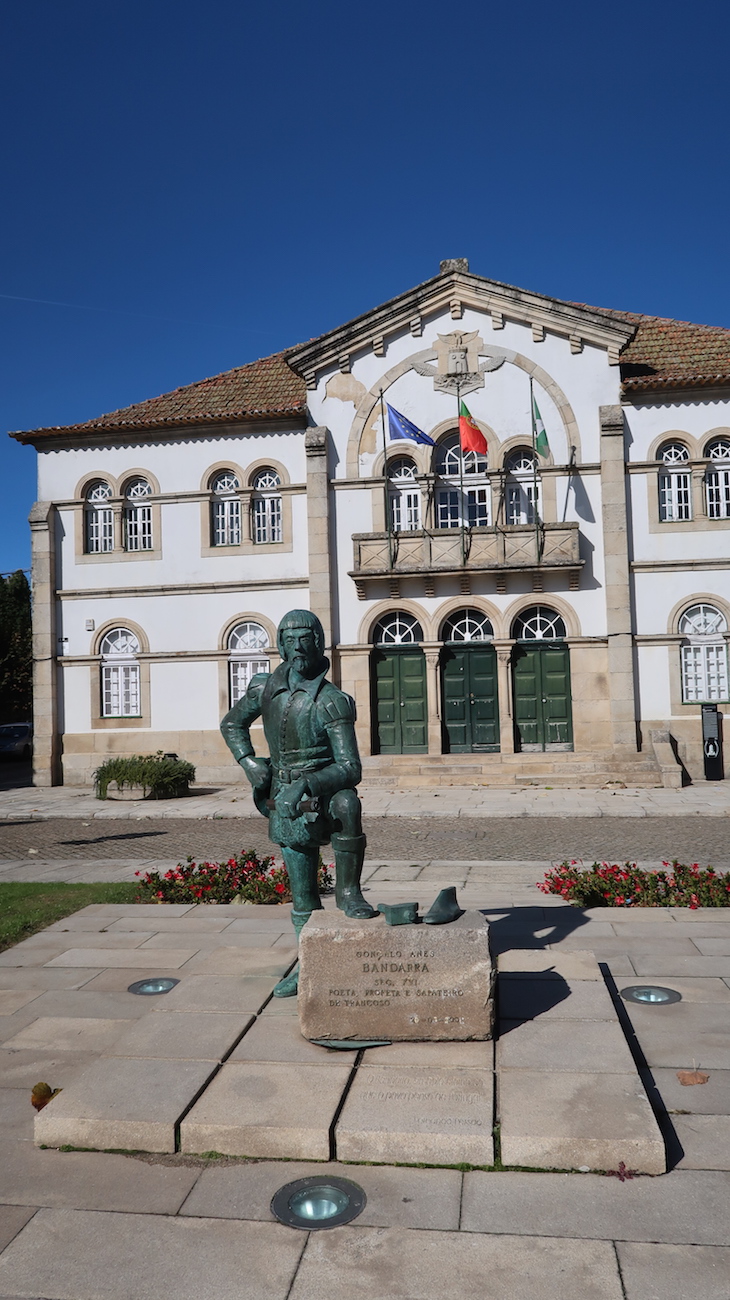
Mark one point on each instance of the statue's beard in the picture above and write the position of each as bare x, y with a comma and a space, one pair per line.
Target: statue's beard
300, 663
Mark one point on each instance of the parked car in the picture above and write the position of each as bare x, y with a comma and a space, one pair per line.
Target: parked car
16, 740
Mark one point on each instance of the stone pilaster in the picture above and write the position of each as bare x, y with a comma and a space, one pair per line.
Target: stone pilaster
318, 529
432, 655
504, 697
622, 696
46, 749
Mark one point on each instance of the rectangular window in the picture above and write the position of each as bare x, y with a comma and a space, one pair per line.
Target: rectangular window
675, 502
405, 511
447, 509
478, 507
241, 672
267, 519
99, 530
520, 503
138, 528
120, 695
227, 522
704, 673
718, 493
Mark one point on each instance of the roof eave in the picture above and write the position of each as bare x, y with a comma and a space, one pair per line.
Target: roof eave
61, 432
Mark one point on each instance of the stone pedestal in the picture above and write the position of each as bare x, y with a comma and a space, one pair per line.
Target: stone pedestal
366, 979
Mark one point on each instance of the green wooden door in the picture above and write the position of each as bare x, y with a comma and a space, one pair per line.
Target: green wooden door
542, 702
400, 711
469, 694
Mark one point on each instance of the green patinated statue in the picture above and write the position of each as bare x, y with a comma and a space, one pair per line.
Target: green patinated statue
307, 787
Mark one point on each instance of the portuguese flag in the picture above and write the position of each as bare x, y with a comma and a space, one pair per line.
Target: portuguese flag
470, 435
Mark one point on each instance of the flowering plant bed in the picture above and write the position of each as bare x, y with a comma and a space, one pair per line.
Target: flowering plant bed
611, 885
245, 878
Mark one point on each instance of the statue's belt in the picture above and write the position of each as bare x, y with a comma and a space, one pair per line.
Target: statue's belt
289, 774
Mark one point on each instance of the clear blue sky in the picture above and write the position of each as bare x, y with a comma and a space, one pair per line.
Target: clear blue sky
190, 186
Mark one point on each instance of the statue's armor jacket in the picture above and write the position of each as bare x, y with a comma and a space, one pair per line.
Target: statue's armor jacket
310, 733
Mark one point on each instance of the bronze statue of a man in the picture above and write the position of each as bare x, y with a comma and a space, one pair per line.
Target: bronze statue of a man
307, 787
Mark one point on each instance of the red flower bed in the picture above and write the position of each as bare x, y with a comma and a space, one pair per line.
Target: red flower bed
246, 877
606, 884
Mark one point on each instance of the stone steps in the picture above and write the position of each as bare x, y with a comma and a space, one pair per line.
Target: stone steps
559, 770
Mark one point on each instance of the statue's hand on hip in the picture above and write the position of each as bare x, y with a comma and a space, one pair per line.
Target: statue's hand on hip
289, 798
258, 771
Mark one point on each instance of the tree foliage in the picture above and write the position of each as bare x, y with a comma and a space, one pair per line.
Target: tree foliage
16, 649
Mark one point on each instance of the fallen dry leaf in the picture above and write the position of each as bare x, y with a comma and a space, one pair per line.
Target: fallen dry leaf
42, 1094
688, 1077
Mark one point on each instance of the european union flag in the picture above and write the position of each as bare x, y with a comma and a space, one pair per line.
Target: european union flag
399, 426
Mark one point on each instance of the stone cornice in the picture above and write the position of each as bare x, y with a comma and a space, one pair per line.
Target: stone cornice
456, 291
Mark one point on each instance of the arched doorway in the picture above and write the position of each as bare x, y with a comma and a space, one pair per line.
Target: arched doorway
469, 684
398, 683
543, 713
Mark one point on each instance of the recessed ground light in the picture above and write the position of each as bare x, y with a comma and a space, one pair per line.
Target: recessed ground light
318, 1202
650, 995
149, 988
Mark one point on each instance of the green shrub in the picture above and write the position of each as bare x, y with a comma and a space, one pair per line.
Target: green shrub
160, 777
607, 884
245, 878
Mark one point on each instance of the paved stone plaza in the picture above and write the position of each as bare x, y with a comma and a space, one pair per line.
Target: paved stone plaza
82, 1225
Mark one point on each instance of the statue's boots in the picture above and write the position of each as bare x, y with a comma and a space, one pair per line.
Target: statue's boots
444, 908
287, 987
349, 856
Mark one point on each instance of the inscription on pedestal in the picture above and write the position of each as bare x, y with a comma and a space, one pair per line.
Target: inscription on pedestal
366, 979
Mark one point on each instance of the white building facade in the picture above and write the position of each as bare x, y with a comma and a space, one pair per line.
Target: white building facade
499, 618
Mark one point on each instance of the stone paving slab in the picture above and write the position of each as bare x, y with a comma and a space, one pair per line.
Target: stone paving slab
267, 1109
68, 1034
90, 1181
279, 1039
475, 1056
663, 965
682, 1033
551, 999
26, 1069
398, 1264
244, 961
682, 1207
711, 1098
674, 1272
704, 1139
123, 1104
221, 993
524, 963
11, 1000
78, 1255
180, 1035
418, 1114
566, 1120
131, 958
12, 1219
589, 1047
410, 1198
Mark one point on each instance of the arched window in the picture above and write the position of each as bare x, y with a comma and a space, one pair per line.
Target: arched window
266, 506
539, 623
226, 509
137, 516
467, 625
717, 479
397, 628
404, 496
704, 654
522, 488
454, 507
120, 693
247, 643
99, 518
675, 500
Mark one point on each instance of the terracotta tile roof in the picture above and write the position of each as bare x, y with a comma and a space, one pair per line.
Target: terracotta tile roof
668, 353
264, 389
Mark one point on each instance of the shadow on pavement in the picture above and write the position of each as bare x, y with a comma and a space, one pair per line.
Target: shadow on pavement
15, 776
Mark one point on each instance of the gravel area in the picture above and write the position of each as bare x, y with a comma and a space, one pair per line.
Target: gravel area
689, 839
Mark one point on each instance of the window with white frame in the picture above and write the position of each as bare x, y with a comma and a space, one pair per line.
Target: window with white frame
266, 506
538, 623
717, 479
226, 509
467, 625
675, 493
137, 516
404, 496
704, 654
522, 487
462, 486
120, 685
247, 646
397, 628
98, 518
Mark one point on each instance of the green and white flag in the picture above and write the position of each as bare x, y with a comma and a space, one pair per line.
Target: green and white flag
542, 447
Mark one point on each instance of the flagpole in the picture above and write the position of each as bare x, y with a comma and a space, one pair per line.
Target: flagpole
385, 486
534, 473
461, 474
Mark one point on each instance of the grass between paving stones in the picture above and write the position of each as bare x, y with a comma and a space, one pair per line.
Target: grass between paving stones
27, 908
